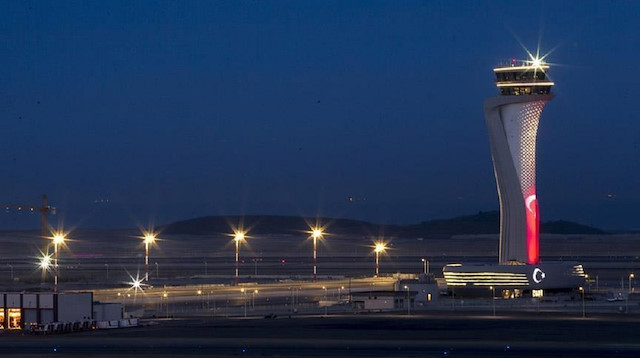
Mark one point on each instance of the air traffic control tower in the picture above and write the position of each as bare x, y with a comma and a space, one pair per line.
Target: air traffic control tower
512, 120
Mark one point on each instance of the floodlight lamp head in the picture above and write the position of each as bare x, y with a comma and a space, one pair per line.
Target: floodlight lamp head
239, 236
58, 238
149, 238
380, 247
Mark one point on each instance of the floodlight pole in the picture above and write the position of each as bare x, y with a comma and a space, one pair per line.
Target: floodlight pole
315, 258
146, 260
55, 266
236, 263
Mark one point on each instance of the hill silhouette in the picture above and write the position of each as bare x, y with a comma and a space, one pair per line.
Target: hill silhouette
477, 224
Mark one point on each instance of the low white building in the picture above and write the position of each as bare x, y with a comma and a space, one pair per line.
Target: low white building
425, 286
382, 300
107, 311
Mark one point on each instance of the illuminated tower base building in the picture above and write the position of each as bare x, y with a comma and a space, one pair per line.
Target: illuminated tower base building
512, 120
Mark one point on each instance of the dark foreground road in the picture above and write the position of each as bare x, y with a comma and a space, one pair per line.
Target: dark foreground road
384, 335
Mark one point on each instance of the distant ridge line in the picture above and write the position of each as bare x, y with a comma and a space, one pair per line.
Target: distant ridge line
481, 223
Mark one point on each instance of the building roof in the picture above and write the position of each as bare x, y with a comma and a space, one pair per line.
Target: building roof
383, 294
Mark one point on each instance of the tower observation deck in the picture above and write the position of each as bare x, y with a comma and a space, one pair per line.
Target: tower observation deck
512, 120
520, 78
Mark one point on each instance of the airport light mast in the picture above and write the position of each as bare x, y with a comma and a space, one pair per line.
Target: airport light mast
58, 239
238, 237
149, 238
380, 247
316, 234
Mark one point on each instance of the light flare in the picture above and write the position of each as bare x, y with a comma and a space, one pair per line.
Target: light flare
149, 237
316, 233
380, 247
136, 284
58, 237
45, 262
239, 236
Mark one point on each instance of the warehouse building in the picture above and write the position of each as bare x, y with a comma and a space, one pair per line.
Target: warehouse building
20, 310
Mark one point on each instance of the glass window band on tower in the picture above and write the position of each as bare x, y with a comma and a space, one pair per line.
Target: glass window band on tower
519, 79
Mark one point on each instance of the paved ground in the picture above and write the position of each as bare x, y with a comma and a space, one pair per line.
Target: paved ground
443, 334
105, 258
468, 331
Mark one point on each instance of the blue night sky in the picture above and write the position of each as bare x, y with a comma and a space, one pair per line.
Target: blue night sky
177, 110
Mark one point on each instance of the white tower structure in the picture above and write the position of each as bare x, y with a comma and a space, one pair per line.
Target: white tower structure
512, 120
